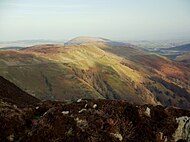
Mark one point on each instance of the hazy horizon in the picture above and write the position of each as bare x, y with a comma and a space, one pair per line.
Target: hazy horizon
116, 19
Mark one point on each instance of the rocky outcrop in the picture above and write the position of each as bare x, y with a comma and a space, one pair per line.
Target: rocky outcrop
183, 130
94, 121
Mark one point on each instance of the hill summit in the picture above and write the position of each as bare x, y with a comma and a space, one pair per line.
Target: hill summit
86, 39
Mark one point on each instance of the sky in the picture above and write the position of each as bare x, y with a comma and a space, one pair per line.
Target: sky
113, 19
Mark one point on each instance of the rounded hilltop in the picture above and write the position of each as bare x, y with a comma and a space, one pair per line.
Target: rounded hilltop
86, 39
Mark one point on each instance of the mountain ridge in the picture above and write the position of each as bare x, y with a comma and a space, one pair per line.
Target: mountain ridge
96, 70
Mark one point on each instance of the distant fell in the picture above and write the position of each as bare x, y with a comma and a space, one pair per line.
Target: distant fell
85, 39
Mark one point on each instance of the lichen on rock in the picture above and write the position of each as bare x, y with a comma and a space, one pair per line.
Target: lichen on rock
183, 130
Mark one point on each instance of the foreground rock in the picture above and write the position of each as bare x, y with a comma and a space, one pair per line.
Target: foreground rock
93, 121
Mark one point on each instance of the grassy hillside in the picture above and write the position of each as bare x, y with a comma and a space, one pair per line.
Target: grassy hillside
96, 70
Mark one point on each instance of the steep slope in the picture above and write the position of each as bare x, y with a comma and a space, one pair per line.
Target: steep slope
172, 73
97, 70
12, 94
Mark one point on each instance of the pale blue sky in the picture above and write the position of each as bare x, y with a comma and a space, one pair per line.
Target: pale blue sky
114, 19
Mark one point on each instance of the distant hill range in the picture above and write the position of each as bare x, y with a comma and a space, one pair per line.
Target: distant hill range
12, 48
16, 45
185, 47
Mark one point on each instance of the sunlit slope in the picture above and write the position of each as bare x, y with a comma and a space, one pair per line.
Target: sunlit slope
169, 80
91, 70
44, 78
71, 72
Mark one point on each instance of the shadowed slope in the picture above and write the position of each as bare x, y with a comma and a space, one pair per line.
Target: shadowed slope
12, 94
